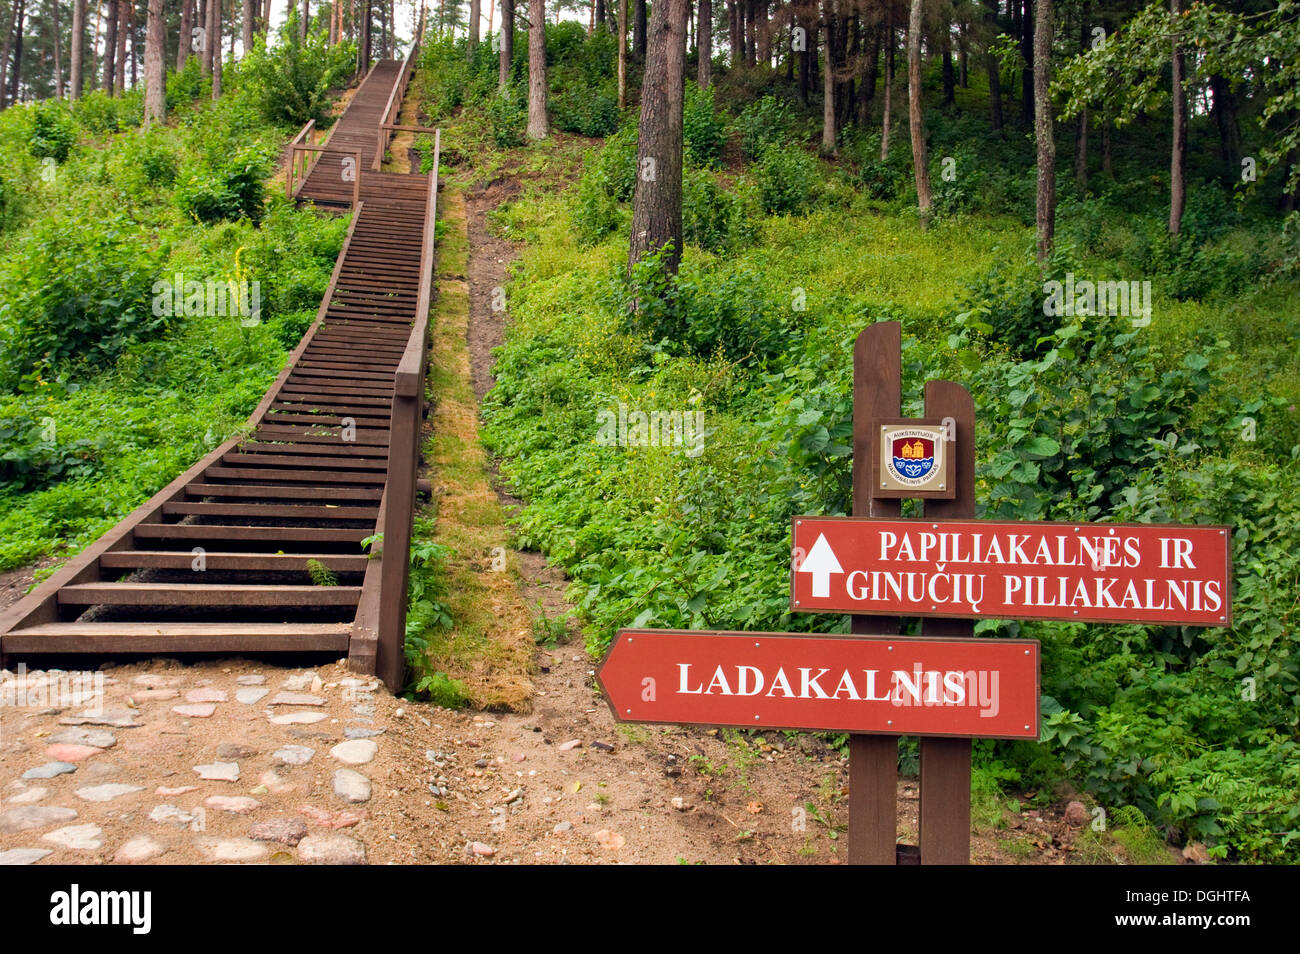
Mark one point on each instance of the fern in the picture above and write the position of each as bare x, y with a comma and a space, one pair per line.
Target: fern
321, 575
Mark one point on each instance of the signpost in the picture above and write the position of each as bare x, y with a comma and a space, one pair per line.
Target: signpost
955, 687
947, 568
1139, 573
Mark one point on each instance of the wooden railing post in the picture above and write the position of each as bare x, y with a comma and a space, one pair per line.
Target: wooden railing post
403, 462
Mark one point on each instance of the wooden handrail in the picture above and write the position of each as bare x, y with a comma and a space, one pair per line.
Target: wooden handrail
398, 505
356, 180
394, 105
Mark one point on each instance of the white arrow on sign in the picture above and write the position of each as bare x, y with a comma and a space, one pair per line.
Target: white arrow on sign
821, 563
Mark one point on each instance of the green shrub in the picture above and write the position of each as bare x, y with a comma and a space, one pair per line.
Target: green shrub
508, 116
712, 217
767, 122
233, 190
788, 180
53, 132
76, 289
100, 113
587, 112
289, 83
704, 130
186, 84
32, 457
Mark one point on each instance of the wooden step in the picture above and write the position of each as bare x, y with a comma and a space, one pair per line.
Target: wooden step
217, 560
194, 594
177, 637
203, 531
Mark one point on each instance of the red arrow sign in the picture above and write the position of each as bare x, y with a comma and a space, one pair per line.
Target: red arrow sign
970, 688
1145, 573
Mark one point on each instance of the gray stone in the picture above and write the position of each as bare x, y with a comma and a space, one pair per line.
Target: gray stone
350, 786
366, 709
294, 754
250, 680
364, 685
106, 792
50, 770
332, 849
233, 751
168, 814
77, 837
298, 718
233, 849
286, 831
35, 816
138, 849
562, 827
296, 699
218, 771
298, 682
99, 738
355, 751
196, 710
23, 856
359, 732
29, 795
250, 695
113, 718
206, 695
235, 804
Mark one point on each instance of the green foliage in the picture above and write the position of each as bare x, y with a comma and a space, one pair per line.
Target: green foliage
187, 84
74, 291
53, 132
788, 180
712, 217
426, 612
100, 113
32, 457
320, 574
508, 116
216, 191
762, 124
289, 83
586, 111
704, 129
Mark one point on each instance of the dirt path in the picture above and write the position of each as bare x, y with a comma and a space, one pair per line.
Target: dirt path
243, 761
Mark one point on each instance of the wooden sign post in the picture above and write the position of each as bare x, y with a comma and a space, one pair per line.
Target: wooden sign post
946, 568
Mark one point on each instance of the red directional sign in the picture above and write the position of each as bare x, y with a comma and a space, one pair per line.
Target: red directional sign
970, 688
1133, 573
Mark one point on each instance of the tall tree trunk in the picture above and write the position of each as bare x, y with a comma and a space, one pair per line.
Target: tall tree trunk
14, 28
622, 54
214, 41
704, 44
1178, 154
246, 35
110, 46
265, 22
889, 83
949, 75
507, 51
807, 55
1027, 74
186, 35
829, 130
366, 39
916, 121
76, 80
751, 36
1107, 161
123, 29
638, 31
991, 67
963, 54
302, 22
155, 73
1043, 132
867, 91
598, 15
475, 11
539, 124
1081, 130
58, 50
657, 202
1224, 109
15, 77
